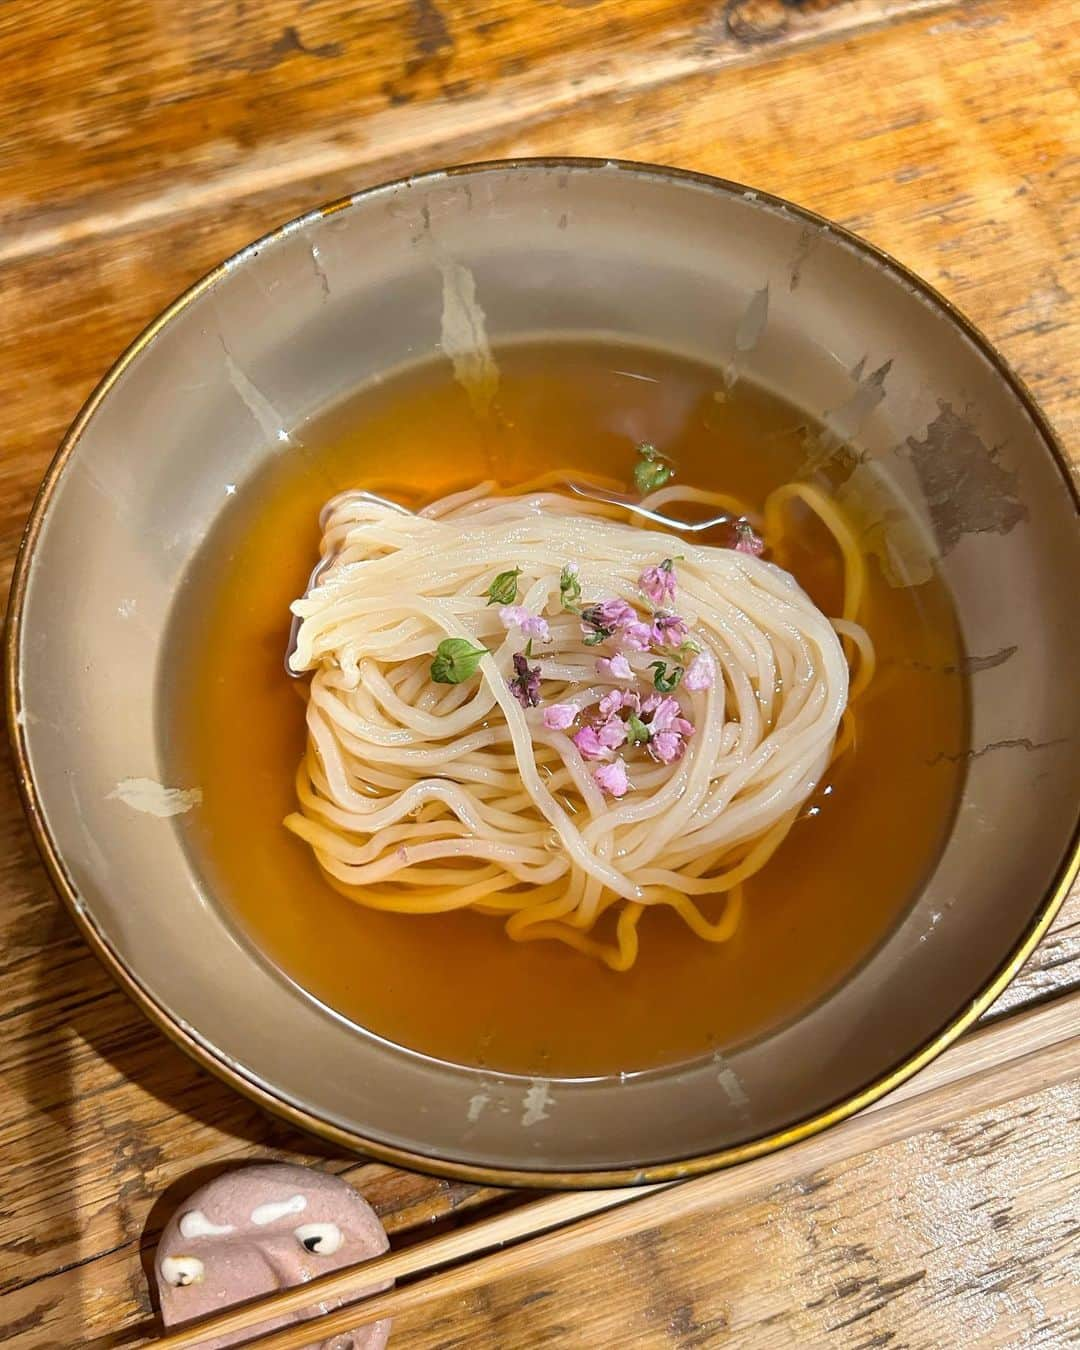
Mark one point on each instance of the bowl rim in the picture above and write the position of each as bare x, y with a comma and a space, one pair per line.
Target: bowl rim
262, 1093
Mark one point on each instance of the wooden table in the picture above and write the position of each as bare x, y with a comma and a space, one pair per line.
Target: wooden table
141, 143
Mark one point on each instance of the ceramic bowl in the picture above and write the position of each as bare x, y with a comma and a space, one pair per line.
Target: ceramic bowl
306, 316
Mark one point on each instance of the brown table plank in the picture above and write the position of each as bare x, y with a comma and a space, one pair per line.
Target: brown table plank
126, 113
962, 1236
961, 163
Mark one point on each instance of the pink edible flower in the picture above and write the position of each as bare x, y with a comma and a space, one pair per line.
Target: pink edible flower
616, 699
668, 630
612, 778
610, 703
637, 636
589, 744
614, 613
599, 622
612, 733
700, 673
531, 625
668, 729
748, 541
664, 713
559, 716
615, 667
658, 583
666, 746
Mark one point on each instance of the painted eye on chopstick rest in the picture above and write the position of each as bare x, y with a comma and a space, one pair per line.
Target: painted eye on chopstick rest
323, 1239
181, 1270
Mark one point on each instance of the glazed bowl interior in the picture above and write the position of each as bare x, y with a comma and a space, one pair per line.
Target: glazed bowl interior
342, 297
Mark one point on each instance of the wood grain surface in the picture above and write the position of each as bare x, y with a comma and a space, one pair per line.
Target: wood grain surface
962, 1236
994, 1065
141, 143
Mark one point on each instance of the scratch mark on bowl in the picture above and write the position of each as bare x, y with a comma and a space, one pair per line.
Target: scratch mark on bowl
1012, 743
971, 665
537, 1100
464, 335
731, 1085
752, 324
153, 798
254, 399
967, 489
320, 271
748, 333
809, 238
477, 1102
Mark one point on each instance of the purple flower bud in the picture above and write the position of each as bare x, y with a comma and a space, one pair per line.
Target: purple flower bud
636, 636
525, 686
666, 746
668, 630
658, 583
612, 733
748, 541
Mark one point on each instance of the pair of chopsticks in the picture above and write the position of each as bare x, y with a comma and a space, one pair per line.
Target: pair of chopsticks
998, 1063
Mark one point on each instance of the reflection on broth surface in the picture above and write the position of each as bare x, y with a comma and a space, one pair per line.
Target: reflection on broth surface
452, 985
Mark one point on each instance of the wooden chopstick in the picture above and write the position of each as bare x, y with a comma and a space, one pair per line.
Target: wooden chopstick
525, 1222
1031, 1050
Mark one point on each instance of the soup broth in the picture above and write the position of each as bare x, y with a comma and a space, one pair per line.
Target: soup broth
453, 985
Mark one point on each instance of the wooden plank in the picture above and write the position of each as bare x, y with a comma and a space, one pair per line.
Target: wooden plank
233, 104
961, 163
963, 1235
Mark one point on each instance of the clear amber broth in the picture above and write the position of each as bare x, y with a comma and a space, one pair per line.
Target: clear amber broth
453, 985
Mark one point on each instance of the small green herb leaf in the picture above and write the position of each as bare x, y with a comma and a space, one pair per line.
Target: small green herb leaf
569, 588
597, 636
688, 647
503, 590
637, 733
456, 659
664, 680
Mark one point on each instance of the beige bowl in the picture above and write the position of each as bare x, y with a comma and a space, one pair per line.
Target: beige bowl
304, 317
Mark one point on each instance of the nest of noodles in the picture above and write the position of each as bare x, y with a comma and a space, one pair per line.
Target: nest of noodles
420, 797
